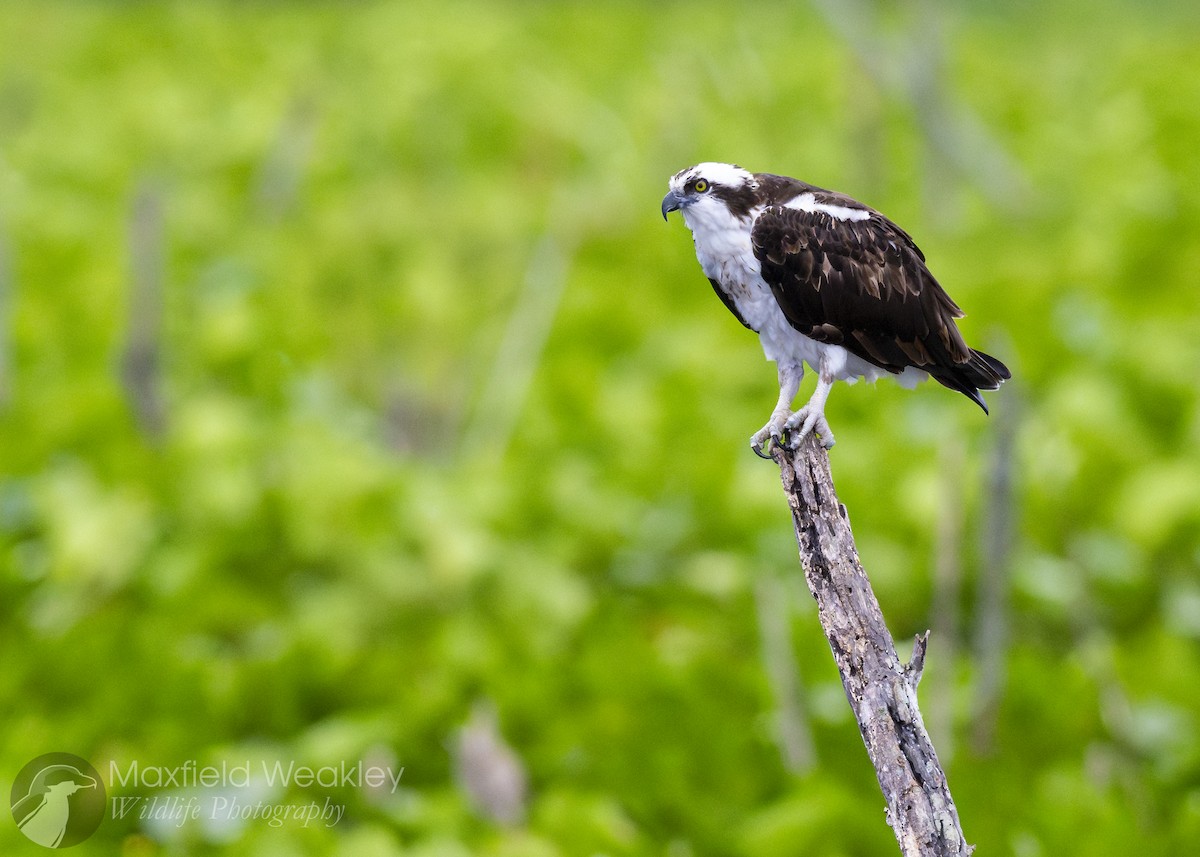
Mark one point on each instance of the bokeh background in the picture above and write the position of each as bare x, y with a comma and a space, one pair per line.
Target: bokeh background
356, 403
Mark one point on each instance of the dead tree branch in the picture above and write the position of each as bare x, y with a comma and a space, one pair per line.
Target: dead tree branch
882, 691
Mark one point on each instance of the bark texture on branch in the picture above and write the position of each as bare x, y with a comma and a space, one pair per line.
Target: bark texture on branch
882, 691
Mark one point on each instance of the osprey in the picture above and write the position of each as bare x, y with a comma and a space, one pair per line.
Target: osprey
823, 280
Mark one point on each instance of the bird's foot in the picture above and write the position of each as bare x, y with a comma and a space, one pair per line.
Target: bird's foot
806, 421
771, 434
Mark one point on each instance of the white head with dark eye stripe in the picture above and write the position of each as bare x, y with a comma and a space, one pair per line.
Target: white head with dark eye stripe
711, 195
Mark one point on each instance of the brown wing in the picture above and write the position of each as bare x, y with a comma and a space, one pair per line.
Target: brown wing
863, 284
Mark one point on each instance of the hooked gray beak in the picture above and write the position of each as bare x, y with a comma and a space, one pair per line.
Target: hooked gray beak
671, 202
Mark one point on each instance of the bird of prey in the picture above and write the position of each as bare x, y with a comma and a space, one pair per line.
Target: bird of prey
823, 280
44, 812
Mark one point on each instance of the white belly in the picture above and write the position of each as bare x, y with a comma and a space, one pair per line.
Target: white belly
741, 279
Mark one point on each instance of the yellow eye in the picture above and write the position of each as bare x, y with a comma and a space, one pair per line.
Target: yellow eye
701, 186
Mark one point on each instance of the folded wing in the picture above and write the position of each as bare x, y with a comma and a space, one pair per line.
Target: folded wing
861, 282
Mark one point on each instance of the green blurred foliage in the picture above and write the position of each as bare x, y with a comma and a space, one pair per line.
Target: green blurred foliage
449, 414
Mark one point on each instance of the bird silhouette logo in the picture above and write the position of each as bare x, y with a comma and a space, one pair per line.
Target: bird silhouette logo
58, 800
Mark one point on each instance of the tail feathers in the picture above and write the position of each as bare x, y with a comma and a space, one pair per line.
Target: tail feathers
993, 367
980, 372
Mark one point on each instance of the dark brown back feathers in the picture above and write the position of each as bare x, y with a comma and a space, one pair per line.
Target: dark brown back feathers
863, 284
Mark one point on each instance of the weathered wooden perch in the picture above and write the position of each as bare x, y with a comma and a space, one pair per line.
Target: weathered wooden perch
882, 691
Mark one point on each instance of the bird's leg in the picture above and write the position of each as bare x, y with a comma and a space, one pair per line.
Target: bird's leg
812, 416
790, 375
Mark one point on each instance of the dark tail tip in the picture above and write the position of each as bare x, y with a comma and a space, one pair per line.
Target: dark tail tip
980, 372
990, 365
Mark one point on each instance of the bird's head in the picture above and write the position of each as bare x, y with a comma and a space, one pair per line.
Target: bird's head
69, 787
711, 191
62, 779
